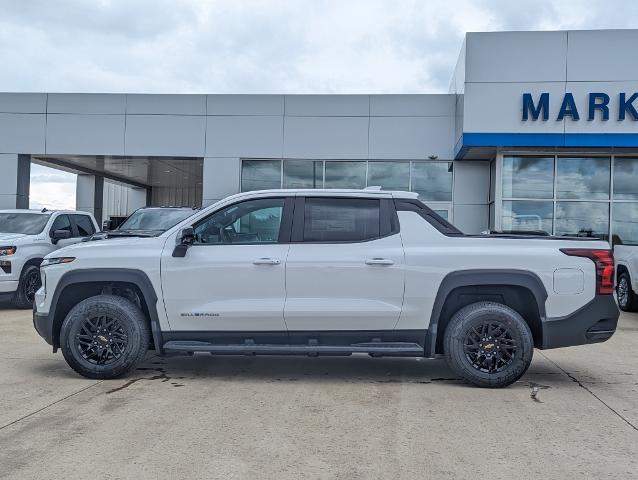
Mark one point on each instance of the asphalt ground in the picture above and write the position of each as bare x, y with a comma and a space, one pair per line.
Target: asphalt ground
573, 415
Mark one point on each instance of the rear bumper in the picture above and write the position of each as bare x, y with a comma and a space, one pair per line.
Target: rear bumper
593, 323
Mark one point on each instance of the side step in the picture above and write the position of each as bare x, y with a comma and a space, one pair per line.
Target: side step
373, 348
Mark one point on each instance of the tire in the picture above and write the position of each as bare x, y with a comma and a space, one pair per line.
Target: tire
495, 356
120, 336
627, 300
30, 282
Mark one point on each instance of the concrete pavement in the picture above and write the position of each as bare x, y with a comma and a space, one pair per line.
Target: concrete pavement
292, 417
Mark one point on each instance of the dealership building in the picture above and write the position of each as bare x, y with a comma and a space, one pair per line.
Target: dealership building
539, 131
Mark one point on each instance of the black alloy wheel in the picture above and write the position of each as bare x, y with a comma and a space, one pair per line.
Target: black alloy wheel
101, 340
490, 347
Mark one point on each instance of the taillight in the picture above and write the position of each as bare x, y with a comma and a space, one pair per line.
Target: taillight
604, 260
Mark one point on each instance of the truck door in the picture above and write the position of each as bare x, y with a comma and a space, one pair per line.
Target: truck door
345, 267
233, 277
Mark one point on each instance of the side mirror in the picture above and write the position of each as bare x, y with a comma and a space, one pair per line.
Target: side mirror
185, 239
60, 235
107, 225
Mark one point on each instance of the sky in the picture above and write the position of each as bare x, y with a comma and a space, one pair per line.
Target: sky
270, 46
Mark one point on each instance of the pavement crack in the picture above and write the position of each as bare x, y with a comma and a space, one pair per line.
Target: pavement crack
584, 387
49, 405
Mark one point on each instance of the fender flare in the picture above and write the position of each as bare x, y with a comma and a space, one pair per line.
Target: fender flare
128, 275
479, 277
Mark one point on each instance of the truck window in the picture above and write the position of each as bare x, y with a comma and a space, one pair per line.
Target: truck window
84, 224
341, 219
61, 223
252, 221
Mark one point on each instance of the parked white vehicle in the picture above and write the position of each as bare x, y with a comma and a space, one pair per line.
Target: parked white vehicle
326, 272
26, 237
626, 257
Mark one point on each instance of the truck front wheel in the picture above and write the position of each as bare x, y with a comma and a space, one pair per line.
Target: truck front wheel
488, 344
104, 337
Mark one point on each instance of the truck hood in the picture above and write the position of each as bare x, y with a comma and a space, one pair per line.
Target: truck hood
125, 247
9, 237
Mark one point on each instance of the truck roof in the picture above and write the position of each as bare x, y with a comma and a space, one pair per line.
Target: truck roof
367, 192
40, 211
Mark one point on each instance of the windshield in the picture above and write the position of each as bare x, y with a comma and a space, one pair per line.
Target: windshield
27, 223
157, 219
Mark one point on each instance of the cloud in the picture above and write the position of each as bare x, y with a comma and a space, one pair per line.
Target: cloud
51, 188
276, 46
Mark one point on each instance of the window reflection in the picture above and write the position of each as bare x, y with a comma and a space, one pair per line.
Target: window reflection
260, 175
389, 175
303, 174
583, 178
625, 223
585, 219
527, 216
432, 180
528, 177
345, 174
625, 178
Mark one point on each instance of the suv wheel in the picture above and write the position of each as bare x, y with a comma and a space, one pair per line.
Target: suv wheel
104, 337
626, 297
29, 283
488, 344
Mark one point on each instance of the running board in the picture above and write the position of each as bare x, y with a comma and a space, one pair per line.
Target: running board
373, 348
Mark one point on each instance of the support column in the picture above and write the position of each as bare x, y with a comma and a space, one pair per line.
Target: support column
89, 195
15, 180
138, 198
221, 178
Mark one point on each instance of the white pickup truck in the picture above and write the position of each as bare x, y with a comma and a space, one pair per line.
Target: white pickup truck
26, 236
626, 257
326, 272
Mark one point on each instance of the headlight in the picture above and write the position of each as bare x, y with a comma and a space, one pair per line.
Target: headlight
56, 261
7, 251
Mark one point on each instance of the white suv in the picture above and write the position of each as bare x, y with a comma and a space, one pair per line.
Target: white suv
26, 237
326, 272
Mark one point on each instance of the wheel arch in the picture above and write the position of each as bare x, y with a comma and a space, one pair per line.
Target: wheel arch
519, 289
77, 285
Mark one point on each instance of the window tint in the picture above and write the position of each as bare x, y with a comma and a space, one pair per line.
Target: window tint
341, 219
260, 175
345, 175
583, 178
84, 225
62, 223
528, 177
253, 221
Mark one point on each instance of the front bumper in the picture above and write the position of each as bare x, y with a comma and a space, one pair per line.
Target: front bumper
593, 323
8, 286
43, 325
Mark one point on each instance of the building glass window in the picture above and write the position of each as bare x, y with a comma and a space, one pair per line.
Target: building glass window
583, 219
528, 177
345, 175
521, 215
260, 175
625, 223
625, 178
583, 178
303, 174
432, 181
389, 175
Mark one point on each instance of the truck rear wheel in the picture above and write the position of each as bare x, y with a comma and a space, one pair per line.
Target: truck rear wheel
488, 344
104, 337
626, 297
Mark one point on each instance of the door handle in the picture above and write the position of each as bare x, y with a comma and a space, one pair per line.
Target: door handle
379, 261
266, 261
